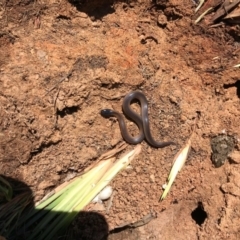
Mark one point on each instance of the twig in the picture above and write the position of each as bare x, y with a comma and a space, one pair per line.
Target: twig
199, 5
55, 100
202, 15
60, 81
217, 25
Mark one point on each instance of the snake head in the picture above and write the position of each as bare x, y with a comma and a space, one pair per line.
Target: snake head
106, 113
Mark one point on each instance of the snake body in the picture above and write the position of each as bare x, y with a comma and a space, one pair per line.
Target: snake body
141, 121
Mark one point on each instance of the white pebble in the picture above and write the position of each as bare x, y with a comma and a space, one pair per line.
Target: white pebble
164, 186
96, 200
106, 193
103, 195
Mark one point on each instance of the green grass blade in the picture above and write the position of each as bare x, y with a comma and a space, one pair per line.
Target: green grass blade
68, 200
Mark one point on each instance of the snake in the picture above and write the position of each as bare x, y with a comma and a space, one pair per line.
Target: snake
142, 121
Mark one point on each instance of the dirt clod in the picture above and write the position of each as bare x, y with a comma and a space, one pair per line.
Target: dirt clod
221, 146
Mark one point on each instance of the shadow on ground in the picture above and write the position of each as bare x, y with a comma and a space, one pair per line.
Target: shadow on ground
86, 226
95, 9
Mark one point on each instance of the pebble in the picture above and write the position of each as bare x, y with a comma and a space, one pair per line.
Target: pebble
152, 178
235, 156
103, 195
162, 20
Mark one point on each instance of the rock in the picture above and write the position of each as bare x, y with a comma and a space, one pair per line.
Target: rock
231, 188
235, 156
221, 145
162, 20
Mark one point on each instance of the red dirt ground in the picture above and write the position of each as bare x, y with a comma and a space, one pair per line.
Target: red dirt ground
61, 64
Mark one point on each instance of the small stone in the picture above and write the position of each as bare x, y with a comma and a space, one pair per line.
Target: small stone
138, 169
235, 156
58, 168
152, 178
56, 138
162, 20
105, 193
82, 15
142, 37
183, 118
221, 145
173, 99
55, 177
41, 55
97, 200
70, 176
60, 105
164, 186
